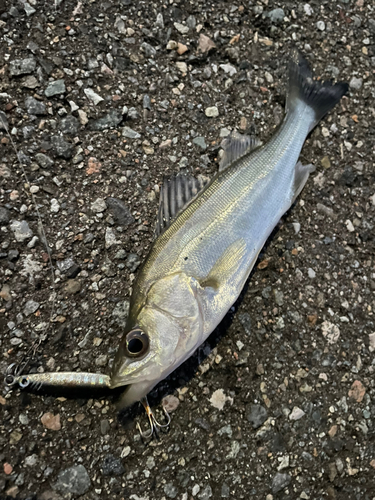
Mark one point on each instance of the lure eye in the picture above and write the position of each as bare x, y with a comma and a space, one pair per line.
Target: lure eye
24, 382
136, 343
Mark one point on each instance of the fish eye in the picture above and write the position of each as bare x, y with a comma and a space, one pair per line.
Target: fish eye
136, 343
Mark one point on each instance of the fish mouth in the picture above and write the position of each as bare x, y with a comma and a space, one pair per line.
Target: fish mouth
119, 382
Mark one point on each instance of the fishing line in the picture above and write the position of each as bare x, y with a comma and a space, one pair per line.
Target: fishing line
35, 345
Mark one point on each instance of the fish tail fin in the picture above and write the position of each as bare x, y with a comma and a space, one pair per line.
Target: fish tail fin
320, 96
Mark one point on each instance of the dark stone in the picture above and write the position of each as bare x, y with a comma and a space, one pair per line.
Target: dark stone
348, 177
120, 212
27, 131
43, 160
13, 255
257, 415
202, 423
34, 107
148, 49
317, 417
23, 158
245, 320
89, 238
280, 481
290, 244
132, 262
245, 65
110, 120
61, 148
183, 477
112, 466
225, 491
73, 271
74, 480
46, 65
104, 427
69, 125
4, 215
277, 443
121, 63
22, 66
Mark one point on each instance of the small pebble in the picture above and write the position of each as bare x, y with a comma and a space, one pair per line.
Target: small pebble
55, 88
356, 83
93, 96
51, 421
212, 112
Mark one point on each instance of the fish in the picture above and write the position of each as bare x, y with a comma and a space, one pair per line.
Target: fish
208, 238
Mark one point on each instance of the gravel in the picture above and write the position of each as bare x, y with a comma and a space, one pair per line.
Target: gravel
119, 211
21, 230
61, 148
110, 120
74, 480
257, 415
276, 15
34, 107
130, 133
22, 66
112, 466
43, 160
4, 215
356, 83
69, 125
280, 481
102, 101
56, 87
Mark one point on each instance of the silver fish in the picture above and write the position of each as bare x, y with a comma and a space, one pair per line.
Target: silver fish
209, 237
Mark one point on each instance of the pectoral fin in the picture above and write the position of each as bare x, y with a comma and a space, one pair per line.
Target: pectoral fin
226, 265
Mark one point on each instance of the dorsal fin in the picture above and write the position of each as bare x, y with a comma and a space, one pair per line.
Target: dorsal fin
176, 193
235, 146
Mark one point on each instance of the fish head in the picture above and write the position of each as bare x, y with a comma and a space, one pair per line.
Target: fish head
157, 340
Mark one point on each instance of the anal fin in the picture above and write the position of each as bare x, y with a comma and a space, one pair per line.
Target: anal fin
301, 175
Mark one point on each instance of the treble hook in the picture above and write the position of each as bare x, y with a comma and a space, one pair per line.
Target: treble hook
155, 426
14, 370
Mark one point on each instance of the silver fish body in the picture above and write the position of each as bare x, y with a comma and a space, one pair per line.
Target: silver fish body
197, 267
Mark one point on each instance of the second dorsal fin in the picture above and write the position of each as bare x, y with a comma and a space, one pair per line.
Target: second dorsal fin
175, 194
235, 146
